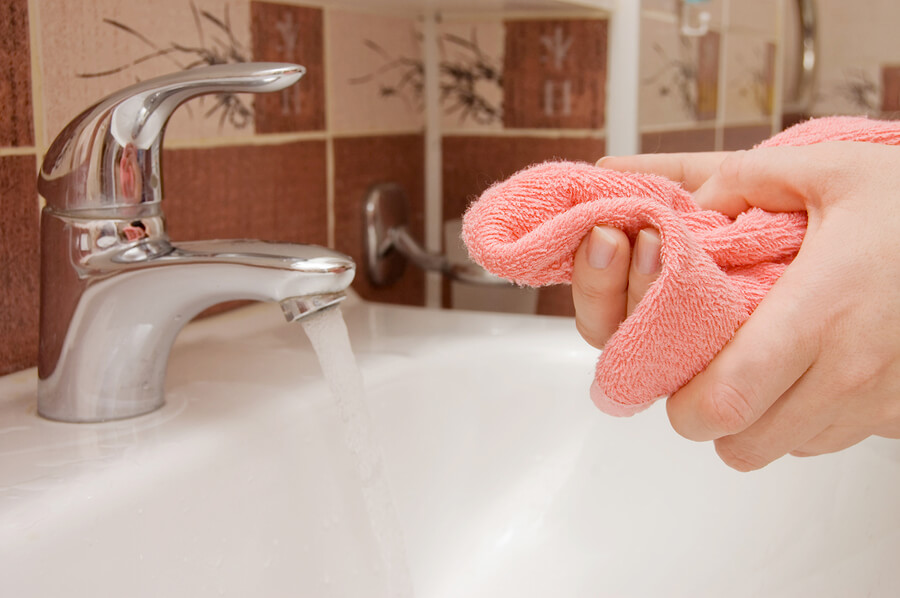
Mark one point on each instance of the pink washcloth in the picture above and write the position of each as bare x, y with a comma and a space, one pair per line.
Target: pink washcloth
715, 270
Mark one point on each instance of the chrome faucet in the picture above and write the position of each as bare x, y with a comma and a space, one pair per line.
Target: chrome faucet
114, 290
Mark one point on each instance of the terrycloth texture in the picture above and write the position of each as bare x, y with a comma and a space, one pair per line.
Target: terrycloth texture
714, 273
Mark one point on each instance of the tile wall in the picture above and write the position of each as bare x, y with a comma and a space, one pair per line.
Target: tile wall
858, 59
712, 92
288, 166
540, 91
293, 166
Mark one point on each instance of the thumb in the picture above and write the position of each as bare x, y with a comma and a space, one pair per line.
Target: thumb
752, 372
777, 179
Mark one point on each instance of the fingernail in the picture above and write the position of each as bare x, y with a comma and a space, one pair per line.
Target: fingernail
604, 159
601, 248
646, 252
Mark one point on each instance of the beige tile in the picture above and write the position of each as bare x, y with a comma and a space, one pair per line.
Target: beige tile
75, 41
671, 9
758, 16
471, 57
669, 6
861, 37
375, 70
678, 75
750, 73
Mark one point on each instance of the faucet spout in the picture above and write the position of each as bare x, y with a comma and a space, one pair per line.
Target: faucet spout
131, 303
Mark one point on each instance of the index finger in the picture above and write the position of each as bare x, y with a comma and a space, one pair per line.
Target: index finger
691, 169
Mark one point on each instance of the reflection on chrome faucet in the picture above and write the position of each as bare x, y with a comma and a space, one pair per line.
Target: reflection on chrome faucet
114, 290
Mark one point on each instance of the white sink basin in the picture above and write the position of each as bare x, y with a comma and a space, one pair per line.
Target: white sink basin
508, 483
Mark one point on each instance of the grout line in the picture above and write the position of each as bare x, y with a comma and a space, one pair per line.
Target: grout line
378, 133
330, 218
330, 224
524, 15
37, 98
280, 138
37, 86
27, 150
695, 125
255, 139
778, 83
351, 7
546, 133
40, 198
659, 15
722, 100
433, 153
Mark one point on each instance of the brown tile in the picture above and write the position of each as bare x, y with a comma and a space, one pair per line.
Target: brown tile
267, 192
19, 264
768, 77
789, 119
359, 163
739, 138
890, 89
687, 140
283, 33
555, 74
556, 301
91, 49
472, 164
708, 76
16, 127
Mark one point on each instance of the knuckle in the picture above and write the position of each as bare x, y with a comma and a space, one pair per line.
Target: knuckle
726, 408
597, 289
740, 456
861, 376
733, 166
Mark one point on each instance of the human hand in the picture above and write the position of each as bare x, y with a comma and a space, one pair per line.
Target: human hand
609, 277
816, 368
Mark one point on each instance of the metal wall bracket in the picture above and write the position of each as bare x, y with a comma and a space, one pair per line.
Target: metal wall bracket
390, 244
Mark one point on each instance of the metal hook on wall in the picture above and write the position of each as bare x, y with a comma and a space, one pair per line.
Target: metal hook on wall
694, 19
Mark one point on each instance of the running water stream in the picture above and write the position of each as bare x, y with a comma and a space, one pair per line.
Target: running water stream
328, 334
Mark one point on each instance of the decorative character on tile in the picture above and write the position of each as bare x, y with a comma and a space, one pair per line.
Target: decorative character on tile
859, 91
464, 78
758, 80
555, 73
212, 49
557, 49
692, 77
289, 31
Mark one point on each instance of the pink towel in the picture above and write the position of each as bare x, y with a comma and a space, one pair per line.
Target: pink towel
714, 273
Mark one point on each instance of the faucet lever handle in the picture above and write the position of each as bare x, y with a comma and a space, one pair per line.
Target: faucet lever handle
109, 155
